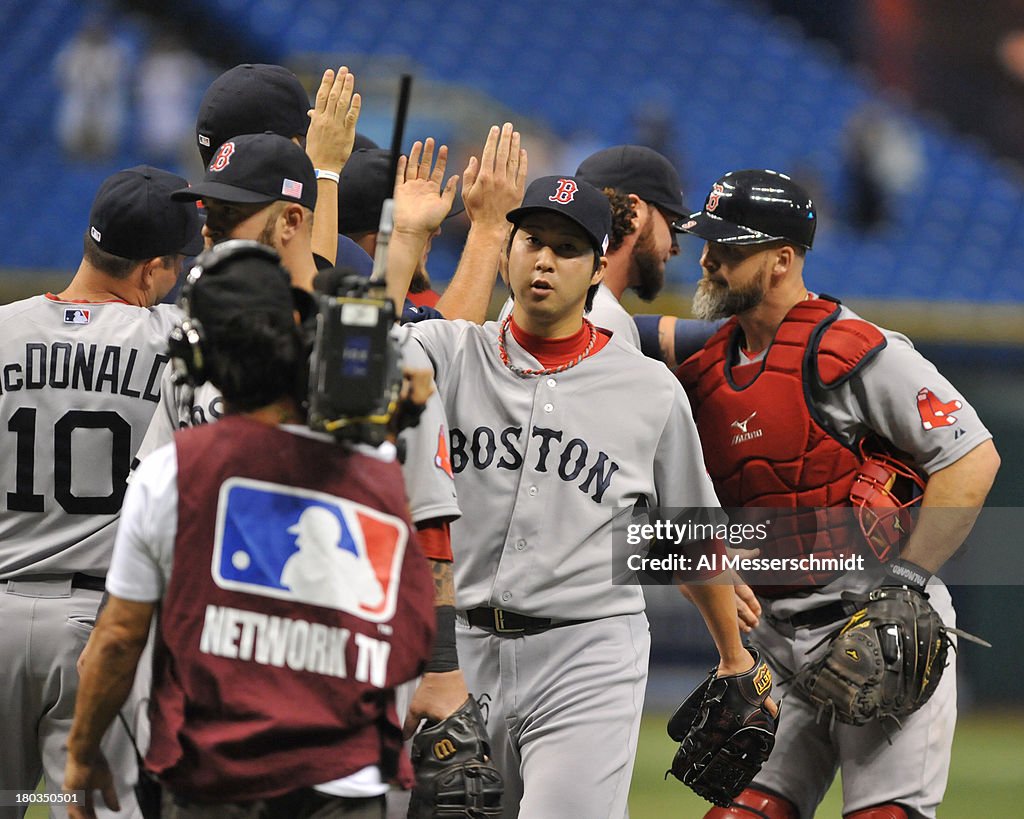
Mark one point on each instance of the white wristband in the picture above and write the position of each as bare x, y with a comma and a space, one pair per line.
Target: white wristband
321, 174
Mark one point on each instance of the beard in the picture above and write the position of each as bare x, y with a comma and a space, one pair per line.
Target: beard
646, 269
714, 301
266, 236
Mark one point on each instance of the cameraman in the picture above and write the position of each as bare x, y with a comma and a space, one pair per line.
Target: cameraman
270, 697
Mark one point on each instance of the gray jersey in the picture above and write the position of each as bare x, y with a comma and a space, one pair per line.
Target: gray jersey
607, 313
79, 385
543, 465
428, 483
901, 396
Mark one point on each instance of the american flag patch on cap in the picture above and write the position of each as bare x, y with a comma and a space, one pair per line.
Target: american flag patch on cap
76, 315
291, 188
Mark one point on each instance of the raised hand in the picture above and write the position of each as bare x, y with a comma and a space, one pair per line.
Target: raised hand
494, 184
332, 121
421, 201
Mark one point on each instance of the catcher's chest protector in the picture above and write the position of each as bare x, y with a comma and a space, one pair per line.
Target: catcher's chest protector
763, 443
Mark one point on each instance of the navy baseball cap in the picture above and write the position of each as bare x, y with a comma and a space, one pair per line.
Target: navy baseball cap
254, 169
365, 183
638, 170
572, 197
362, 142
251, 99
135, 217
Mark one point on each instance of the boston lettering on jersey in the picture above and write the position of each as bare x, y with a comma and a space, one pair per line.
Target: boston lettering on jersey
197, 414
89, 367
570, 460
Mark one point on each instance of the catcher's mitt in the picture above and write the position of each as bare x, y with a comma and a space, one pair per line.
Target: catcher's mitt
725, 733
885, 661
454, 775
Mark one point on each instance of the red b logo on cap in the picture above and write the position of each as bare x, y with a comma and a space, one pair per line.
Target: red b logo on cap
222, 157
716, 191
566, 191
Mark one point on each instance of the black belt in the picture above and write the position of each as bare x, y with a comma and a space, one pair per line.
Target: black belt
500, 621
78, 580
816, 617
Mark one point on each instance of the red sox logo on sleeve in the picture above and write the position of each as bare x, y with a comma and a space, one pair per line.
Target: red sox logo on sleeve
441, 458
222, 158
934, 412
566, 192
716, 191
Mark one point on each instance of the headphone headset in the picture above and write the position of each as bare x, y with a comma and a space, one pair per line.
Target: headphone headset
187, 340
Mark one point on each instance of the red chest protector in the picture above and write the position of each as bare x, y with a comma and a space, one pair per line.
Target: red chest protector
764, 443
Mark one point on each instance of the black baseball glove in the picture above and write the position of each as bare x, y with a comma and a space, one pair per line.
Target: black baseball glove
454, 775
886, 660
725, 733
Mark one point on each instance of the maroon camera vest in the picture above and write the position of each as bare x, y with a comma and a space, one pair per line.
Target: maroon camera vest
256, 695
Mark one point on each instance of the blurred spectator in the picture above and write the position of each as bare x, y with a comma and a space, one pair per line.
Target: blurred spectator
168, 88
839, 21
90, 71
888, 40
655, 125
884, 158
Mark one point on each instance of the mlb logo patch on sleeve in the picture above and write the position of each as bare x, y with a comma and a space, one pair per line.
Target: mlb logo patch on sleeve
309, 547
77, 315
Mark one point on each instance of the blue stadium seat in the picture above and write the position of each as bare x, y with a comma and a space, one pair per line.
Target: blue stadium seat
784, 104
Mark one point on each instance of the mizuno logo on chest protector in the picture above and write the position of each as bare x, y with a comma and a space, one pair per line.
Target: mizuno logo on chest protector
742, 425
745, 434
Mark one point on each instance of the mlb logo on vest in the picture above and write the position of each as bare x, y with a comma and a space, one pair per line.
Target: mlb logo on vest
308, 547
76, 315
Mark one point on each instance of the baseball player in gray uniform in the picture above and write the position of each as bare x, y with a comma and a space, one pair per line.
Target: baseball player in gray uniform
260, 98
81, 379
646, 198
550, 446
757, 415
242, 193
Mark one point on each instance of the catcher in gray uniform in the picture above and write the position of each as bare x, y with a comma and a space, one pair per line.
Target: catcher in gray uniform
81, 380
559, 651
793, 398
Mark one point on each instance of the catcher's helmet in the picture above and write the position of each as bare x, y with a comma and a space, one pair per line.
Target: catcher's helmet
754, 207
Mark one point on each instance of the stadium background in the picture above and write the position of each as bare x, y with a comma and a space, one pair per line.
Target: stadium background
904, 117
